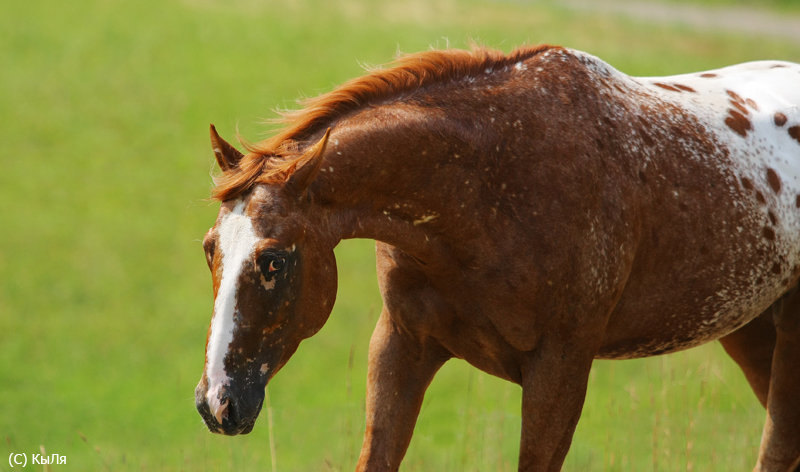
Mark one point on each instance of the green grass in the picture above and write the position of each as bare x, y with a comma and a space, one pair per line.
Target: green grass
105, 298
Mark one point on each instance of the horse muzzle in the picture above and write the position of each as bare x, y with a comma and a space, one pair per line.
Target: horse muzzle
229, 412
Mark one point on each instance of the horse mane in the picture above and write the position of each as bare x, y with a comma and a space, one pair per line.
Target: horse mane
275, 159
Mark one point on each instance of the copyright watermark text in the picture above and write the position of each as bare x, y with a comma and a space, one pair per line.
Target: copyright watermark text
21, 460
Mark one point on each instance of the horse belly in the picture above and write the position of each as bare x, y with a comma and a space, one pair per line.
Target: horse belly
697, 279
695, 287
677, 326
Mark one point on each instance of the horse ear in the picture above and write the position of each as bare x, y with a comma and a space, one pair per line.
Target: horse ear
301, 178
227, 156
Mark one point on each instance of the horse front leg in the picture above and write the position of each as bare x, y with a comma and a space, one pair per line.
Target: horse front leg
780, 441
554, 379
401, 367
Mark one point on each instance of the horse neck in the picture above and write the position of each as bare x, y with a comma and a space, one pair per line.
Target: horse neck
390, 182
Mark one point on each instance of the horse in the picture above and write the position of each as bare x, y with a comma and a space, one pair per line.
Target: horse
532, 212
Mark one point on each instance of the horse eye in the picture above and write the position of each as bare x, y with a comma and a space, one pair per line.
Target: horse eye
276, 264
271, 263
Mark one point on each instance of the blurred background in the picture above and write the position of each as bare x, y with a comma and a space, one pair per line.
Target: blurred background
105, 298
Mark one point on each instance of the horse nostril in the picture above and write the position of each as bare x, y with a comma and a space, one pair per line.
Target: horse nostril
221, 412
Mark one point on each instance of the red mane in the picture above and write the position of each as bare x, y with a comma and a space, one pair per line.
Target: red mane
274, 159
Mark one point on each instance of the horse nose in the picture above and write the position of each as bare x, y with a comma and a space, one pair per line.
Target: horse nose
216, 409
221, 411
225, 412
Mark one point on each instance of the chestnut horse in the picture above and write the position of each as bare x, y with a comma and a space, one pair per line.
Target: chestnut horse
533, 212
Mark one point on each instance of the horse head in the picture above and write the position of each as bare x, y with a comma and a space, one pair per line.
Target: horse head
274, 279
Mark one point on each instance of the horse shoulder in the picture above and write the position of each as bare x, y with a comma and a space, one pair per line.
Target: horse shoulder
408, 297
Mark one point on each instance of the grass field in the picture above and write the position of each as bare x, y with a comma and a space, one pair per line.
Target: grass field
104, 295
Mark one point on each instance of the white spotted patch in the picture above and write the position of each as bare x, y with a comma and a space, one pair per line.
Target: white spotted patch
751, 108
237, 240
751, 112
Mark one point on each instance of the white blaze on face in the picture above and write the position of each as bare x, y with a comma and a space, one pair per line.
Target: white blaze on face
237, 239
